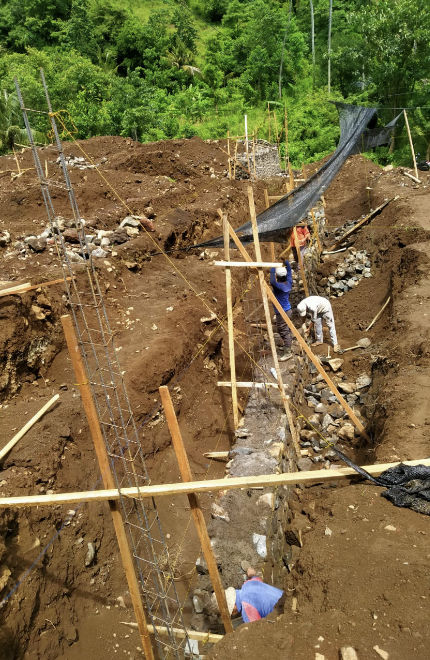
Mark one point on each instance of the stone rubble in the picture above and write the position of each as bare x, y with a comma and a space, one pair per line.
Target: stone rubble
347, 275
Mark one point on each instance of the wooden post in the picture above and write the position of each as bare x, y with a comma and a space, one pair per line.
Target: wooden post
291, 175
108, 481
269, 323
287, 159
268, 117
275, 121
197, 513
271, 245
303, 344
301, 264
411, 143
229, 157
253, 155
316, 232
235, 159
230, 322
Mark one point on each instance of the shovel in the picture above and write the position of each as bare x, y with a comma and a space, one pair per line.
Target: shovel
362, 343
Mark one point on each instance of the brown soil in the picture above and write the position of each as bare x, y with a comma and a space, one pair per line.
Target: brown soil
64, 609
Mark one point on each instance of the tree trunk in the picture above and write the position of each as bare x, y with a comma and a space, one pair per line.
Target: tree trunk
311, 4
329, 47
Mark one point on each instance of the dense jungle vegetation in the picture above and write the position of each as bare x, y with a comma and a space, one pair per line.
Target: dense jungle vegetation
161, 69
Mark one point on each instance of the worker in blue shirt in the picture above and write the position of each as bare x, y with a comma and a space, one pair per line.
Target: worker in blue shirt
254, 600
281, 280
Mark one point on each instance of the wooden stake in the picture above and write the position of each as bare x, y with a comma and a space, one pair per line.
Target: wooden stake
303, 344
229, 156
378, 314
411, 144
205, 637
108, 481
291, 176
316, 232
268, 117
271, 245
46, 169
301, 264
411, 176
207, 486
230, 326
253, 155
198, 517
267, 314
235, 160
6, 449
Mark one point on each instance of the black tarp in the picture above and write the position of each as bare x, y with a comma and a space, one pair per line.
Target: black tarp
293, 207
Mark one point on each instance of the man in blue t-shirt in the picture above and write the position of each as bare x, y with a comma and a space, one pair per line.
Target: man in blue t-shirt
281, 280
255, 600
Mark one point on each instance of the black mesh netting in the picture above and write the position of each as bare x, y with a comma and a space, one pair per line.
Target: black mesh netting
355, 135
407, 485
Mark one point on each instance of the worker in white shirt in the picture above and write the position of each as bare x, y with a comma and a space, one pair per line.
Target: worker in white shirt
317, 308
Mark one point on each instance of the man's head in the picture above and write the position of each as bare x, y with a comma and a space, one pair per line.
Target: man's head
301, 308
281, 274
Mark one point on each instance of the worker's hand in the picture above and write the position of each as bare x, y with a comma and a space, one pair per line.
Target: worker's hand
305, 330
251, 572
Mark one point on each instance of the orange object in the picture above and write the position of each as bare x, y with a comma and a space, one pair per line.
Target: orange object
303, 235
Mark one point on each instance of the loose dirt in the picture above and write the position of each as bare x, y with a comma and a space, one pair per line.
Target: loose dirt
65, 609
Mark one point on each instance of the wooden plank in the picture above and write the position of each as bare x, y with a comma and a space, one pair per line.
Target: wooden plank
240, 383
230, 326
411, 176
6, 449
267, 314
23, 288
216, 454
205, 637
197, 513
271, 245
249, 264
359, 224
303, 344
108, 481
208, 486
301, 264
229, 156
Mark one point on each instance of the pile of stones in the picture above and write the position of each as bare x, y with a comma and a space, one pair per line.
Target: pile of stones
79, 162
347, 274
100, 243
328, 418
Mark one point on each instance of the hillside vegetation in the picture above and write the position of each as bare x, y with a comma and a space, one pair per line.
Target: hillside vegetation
161, 69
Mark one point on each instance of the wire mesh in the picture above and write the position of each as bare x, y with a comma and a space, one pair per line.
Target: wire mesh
141, 520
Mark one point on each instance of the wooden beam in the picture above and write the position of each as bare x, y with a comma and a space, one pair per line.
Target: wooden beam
301, 264
6, 449
303, 344
205, 637
249, 264
359, 224
267, 314
108, 481
267, 204
208, 486
411, 176
230, 324
316, 232
197, 513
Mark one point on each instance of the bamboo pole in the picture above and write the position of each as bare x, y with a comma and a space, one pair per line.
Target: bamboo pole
206, 486
268, 116
235, 160
197, 513
316, 232
411, 144
291, 175
230, 326
253, 155
250, 264
6, 449
268, 317
301, 264
303, 344
108, 481
23, 288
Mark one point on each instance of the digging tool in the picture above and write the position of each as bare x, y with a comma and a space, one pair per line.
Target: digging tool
362, 343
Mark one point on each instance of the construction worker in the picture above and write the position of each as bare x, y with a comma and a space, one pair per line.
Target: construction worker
255, 600
281, 280
303, 237
317, 308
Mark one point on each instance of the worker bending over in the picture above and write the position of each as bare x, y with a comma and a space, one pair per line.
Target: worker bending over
255, 600
317, 308
281, 280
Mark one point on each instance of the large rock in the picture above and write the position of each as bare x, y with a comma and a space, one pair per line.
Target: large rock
363, 381
304, 464
335, 364
348, 388
346, 432
327, 420
71, 235
119, 236
37, 244
4, 238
